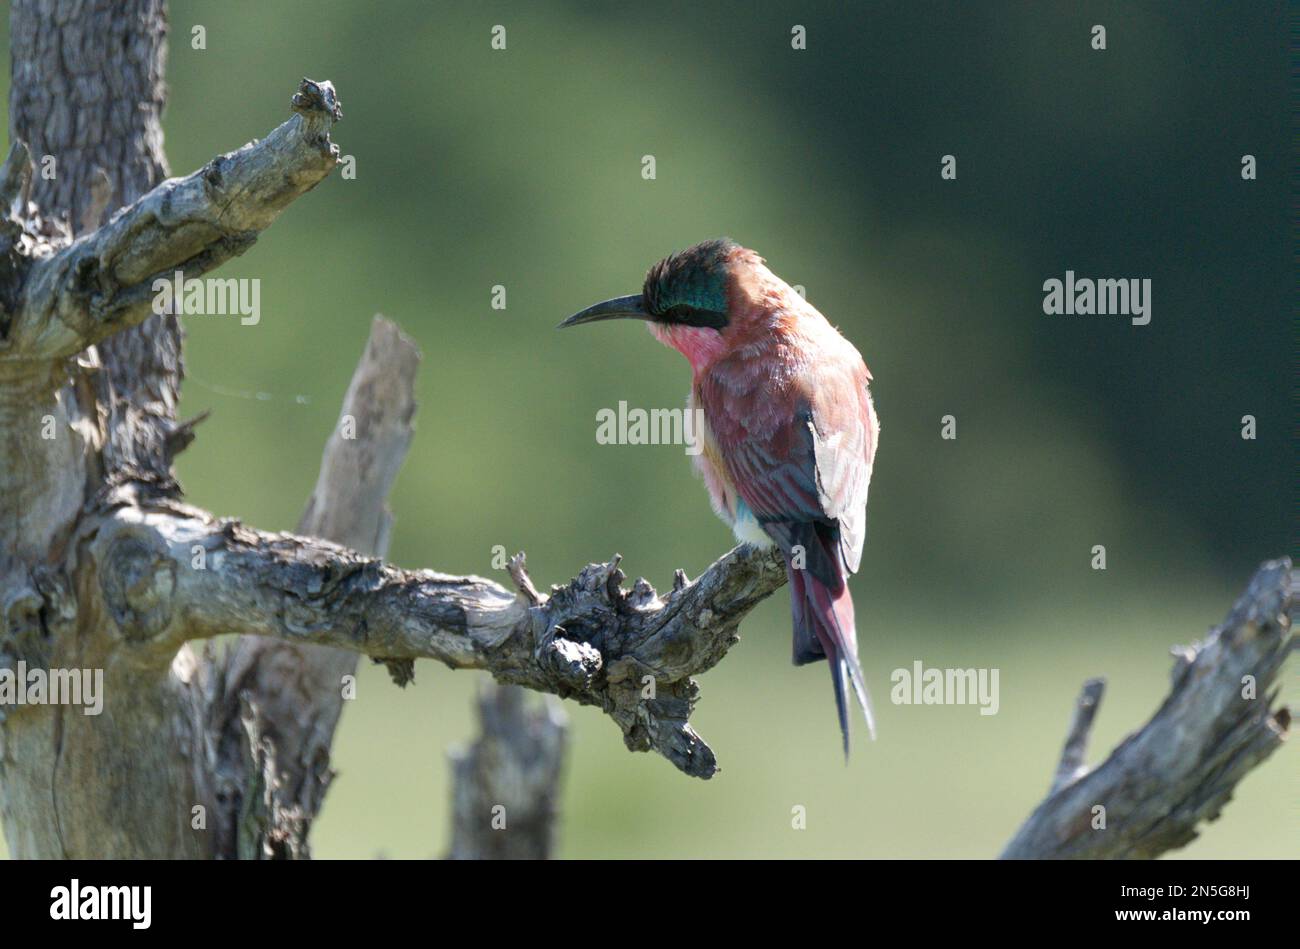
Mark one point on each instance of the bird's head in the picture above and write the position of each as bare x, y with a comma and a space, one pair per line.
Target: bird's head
698, 301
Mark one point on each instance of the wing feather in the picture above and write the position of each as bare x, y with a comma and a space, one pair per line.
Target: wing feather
799, 452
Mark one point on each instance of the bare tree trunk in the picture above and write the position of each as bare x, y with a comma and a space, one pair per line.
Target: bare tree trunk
115, 413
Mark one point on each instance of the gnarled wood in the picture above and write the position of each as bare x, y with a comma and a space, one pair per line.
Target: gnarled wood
506, 783
1219, 721
626, 651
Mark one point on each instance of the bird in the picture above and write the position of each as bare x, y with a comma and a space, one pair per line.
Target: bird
789, 431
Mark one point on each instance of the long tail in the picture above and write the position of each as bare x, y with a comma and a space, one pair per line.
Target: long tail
823, 628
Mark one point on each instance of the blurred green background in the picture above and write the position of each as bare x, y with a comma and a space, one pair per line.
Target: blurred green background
522, 168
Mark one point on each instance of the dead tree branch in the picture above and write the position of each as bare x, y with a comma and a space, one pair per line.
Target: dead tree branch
628, 652
506, 785
1218, 722
104, 282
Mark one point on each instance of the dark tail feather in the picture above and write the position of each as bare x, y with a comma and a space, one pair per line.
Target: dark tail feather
823, 627
807, 645
839, 673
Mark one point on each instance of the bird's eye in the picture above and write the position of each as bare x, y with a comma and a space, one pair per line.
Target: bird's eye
683, 314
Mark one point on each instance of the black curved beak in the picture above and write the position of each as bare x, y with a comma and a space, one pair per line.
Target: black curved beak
619, 308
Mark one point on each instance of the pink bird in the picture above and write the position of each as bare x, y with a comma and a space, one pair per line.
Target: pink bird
790, 432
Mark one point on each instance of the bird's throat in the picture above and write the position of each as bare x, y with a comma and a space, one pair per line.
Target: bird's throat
701, 345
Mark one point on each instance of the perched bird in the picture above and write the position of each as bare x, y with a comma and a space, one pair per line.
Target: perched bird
790, 432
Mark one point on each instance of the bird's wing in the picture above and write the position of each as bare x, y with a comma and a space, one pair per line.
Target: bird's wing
799, 450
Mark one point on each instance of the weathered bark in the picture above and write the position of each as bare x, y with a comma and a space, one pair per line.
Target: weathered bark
626, 651
506, 784
114, 412
1220, 720
95, 143
105, 144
